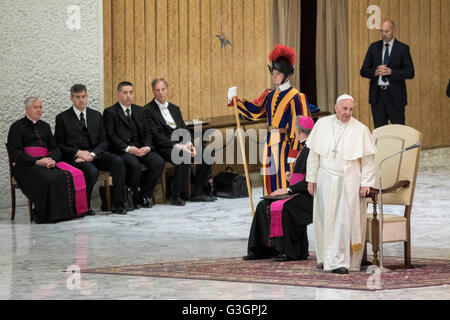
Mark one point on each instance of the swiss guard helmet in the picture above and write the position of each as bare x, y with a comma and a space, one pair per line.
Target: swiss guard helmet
283, 60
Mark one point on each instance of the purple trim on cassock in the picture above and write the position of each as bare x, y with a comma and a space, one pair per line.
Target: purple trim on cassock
80, 187
276, 210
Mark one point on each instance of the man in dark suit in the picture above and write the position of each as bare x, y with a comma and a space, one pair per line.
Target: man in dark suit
164, 118
130, 137
388, 64
80, 133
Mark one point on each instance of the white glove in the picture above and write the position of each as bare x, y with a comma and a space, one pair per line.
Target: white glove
232, 92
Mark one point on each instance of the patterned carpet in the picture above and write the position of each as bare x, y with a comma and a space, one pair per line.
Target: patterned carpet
425, 272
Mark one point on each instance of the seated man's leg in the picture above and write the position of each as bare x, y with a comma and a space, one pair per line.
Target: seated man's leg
180, 179
199, 182
132, 172
116, 166
155, 166
90, 177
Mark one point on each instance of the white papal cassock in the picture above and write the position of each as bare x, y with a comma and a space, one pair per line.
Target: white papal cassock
340, 162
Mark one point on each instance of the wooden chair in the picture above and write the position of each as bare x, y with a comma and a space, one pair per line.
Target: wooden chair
398, 181
13, 187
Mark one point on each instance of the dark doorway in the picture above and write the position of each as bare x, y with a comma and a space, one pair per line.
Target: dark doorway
308, 50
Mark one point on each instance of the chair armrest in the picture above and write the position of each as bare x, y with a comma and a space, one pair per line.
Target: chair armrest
373, 193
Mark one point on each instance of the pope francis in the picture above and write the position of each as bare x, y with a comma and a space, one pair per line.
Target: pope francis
340, 172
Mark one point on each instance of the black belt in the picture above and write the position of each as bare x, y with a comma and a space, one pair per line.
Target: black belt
383, 87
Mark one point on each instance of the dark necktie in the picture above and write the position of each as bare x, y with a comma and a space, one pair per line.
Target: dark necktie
82, 121
128, 114
386, 61
386, 54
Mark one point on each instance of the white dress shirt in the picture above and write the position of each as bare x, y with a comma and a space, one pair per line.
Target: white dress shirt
163, 107
125, 109
78, 113
391, 43
125, 112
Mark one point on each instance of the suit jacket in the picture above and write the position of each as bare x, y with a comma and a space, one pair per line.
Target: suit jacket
400, 62
69, 134
118, 129
159, 126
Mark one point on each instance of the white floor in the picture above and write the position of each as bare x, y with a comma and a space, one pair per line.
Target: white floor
36, 261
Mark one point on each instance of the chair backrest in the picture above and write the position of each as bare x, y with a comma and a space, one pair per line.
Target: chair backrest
10, 162
390, 139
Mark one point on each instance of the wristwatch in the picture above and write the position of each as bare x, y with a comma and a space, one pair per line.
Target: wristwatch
289, 190
93, 155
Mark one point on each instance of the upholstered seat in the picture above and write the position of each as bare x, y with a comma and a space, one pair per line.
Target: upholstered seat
398, 180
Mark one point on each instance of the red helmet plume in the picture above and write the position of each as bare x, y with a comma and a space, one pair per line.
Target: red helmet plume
283, 51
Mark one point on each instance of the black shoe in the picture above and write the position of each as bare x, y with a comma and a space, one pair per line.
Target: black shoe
201, 198
251, 257
90, 212
319, 266
283, 258
119, 210
136, 204
177, 201
366, 263
340, 270
146, 202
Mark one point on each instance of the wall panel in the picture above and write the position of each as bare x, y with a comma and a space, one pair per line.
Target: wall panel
177, 40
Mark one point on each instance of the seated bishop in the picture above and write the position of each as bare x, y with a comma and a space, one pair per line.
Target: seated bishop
56, 189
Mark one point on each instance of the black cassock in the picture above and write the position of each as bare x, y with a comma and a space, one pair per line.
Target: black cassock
50, 190
296, 215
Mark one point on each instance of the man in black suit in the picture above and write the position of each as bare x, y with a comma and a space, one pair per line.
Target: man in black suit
80, 133
164, 118
388, 64
130, 137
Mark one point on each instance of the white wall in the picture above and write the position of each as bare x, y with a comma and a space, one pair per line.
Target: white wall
42, 53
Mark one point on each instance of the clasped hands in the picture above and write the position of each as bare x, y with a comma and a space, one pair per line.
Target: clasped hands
46, 162
188, 148
139, 152
83, 155
383, 70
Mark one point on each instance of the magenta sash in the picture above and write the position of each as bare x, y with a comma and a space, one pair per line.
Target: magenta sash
276, 209
77, 175
80, 187
36, 151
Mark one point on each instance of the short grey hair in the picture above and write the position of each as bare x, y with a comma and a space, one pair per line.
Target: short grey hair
29, 100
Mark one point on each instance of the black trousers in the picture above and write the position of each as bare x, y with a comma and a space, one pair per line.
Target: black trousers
385, 110
181, 178
144, 180
105, 162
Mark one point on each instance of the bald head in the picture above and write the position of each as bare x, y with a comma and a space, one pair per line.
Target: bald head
387, 30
